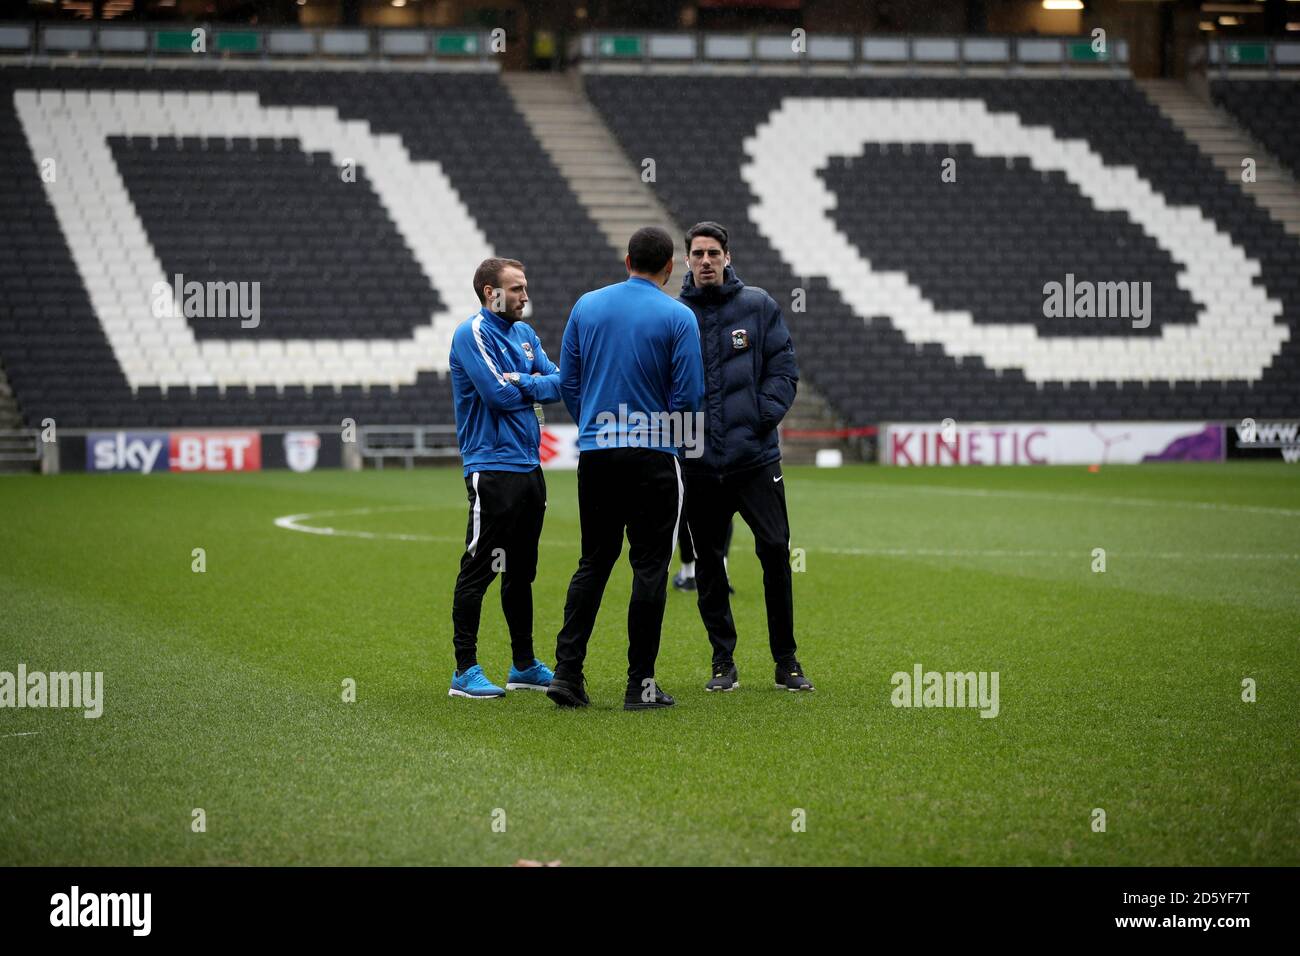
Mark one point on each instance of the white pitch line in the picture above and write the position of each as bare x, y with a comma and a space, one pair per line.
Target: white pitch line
1083, 554
26, 733
294, 523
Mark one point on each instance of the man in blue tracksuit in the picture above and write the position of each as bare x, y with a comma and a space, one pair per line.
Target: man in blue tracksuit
499, 378
750, 378
630, 375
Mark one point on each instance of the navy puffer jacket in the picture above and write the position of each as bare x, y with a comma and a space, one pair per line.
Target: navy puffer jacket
750, 374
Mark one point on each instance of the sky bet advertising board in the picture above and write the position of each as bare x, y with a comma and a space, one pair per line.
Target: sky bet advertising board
218, 450
150, 452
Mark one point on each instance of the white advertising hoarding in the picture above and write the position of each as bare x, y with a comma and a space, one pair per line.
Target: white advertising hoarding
1049, 443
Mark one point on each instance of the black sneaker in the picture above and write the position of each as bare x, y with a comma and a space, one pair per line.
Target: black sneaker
790, 677
682, 583
647, 697
568, 693
725, 677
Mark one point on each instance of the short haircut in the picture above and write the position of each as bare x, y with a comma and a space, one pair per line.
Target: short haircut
489, 273
707, 228
650, 249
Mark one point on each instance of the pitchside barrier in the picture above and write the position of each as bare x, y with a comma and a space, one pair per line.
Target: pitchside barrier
906, 444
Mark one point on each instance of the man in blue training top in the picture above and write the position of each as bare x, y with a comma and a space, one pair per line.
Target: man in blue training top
631, 376
498, 374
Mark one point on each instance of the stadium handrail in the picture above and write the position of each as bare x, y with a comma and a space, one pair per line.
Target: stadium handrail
655, 50
452, 48
1245, 55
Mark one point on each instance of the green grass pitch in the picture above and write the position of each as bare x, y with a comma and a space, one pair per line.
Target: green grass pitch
1119, 691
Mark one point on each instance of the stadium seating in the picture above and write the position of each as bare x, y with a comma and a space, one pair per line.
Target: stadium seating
924, 298
921, 298
244, 176
1269, 110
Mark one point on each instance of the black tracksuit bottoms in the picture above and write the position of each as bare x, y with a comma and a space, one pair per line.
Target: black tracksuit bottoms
506, 509
685, 546
758, 494
637, 490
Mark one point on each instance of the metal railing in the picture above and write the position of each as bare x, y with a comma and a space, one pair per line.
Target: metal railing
19, 446
407, 443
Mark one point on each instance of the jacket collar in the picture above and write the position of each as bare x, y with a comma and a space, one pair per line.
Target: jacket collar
490, 317
731, 284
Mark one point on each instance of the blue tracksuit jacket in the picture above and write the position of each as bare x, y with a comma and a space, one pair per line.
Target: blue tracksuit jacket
495, 423
629, 345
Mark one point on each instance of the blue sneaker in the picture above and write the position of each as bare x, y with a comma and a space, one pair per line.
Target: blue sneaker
473, 683
537, 677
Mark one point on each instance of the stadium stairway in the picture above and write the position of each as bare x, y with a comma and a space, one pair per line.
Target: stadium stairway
571, 132
608, 184
1218, 135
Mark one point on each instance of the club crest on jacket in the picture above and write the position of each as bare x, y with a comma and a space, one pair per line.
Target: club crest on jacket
740, 339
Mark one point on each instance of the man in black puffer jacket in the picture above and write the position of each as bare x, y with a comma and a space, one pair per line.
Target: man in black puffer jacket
750, 377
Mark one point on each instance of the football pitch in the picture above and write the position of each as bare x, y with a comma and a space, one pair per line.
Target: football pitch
224, 690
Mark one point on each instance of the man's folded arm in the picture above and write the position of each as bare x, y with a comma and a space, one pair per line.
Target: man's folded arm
543, 385
498, 394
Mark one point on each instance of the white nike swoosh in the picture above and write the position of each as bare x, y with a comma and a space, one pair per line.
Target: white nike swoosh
777, 478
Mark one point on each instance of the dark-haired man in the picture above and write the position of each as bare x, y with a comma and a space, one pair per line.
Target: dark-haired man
750, 377
630, 358
498, 372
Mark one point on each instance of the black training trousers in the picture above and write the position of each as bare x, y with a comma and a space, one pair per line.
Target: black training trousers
638, 490
758, 494
687, 549
506, 509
